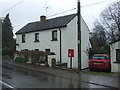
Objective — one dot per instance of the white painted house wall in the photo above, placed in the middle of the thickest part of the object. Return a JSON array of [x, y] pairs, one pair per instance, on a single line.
[[68, 39], [115, 67]]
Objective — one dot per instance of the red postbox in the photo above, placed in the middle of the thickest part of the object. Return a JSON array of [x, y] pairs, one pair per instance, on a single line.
[[70, 52]]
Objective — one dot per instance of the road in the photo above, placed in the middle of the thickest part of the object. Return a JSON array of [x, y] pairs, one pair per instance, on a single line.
[[20, 78]]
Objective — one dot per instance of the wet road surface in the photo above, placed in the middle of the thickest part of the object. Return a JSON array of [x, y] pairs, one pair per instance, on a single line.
[[20, 78]]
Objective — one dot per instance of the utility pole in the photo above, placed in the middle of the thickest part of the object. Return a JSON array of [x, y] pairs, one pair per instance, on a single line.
[[79, 35]]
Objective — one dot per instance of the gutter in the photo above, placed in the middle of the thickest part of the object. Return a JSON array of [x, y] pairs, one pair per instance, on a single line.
[[60, 47], [22, 32]]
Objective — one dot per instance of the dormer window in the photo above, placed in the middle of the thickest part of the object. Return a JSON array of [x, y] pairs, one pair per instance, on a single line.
[[36, 37]]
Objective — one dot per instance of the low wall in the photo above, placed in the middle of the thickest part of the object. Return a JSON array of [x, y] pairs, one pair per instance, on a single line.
[[50, 57], [115, 67], [32, 56]]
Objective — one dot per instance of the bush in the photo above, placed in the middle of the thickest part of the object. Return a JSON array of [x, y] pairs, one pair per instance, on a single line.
[[23, 60], [93, 51], [33, 62]]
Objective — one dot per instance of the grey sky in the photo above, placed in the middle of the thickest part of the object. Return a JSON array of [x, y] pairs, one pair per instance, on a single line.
[[30, 10]]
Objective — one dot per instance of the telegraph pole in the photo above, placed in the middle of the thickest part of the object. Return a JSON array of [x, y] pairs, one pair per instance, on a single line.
[[79, 35]]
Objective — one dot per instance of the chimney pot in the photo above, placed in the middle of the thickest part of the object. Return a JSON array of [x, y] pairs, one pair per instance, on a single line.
[[42, 18]]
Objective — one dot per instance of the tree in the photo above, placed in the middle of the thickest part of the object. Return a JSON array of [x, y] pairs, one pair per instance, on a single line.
[[107, 30], [98, 36], [98, 40], [8, 43], [110, 18]]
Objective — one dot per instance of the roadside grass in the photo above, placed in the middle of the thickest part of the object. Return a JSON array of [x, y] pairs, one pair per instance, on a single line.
[[116, 74], [94, 72], [99, 73]]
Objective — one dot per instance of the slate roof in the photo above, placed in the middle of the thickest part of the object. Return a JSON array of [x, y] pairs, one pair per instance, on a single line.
[[48, 24]]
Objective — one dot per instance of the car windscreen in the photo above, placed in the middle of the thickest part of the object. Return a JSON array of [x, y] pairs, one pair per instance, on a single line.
[[99, 57]]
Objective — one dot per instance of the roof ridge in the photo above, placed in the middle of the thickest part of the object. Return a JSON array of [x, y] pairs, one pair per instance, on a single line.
[[53, 18], [63, 16]]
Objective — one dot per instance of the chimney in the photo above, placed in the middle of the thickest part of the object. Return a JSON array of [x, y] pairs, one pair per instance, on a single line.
[[42, 18]]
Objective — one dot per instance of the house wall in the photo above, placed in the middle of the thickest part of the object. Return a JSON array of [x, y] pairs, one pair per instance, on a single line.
[[114, 66], [45, 38], [85, 44], [68, 40]]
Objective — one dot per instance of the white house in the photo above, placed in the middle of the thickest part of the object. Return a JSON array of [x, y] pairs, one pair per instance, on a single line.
[[56, 35], [115, 56]]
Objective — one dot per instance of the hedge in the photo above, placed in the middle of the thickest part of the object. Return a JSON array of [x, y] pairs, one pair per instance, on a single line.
[[19, 59]]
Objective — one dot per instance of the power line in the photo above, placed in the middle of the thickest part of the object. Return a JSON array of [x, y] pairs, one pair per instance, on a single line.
[[76, 8], [94, 4], [13, 7], [62, 12], [47, 7], [91, 11]]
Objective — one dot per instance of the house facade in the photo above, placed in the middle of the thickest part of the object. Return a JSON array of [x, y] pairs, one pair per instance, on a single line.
[[56, 35], [115, 56]]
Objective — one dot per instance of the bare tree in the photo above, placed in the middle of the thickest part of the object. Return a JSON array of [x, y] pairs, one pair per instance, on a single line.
[[110, 18], [98, 36]]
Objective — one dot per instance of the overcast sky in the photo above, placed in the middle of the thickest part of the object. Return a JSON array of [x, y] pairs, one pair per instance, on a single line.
[[25, 11]]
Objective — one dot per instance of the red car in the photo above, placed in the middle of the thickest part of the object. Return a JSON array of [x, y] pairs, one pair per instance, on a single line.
[[100, 61]]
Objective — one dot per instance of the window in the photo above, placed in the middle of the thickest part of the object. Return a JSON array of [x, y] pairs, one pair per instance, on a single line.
[[26, 49], [117, 55], [23, 38], [36, 49], [36, 37], [47, 50], [99, 57], [54, 35]]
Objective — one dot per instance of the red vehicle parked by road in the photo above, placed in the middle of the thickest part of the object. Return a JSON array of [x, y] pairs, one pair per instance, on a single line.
[[100, 61]]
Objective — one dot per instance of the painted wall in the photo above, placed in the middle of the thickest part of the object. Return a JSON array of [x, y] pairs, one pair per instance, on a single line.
[[45, 38], [114, 66], [68, 39], [85, 44]]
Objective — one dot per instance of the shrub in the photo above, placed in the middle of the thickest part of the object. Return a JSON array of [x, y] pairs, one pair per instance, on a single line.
[[19, 59], [33, 62], [93, 51]]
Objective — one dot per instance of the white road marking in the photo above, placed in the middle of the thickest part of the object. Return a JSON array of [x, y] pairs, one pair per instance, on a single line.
[[6, 84]]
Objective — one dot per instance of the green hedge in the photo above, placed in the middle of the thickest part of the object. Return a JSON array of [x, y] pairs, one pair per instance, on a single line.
[[33, 62], [23, 60], [93, 51]]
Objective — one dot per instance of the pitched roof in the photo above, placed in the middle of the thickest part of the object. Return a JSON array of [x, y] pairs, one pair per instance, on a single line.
[[115, 41], [48, 24]]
